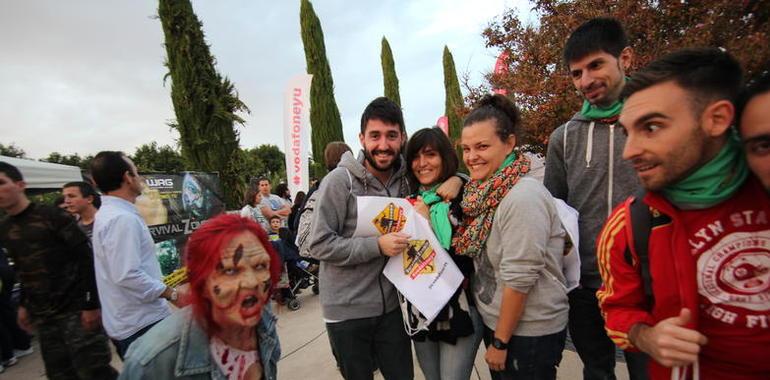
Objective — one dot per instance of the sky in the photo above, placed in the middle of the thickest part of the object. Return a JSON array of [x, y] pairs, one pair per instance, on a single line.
[[85, 76]]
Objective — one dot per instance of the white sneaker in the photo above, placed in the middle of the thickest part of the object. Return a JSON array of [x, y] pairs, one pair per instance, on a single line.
[[2, 369], [22, 353], [10, 362]]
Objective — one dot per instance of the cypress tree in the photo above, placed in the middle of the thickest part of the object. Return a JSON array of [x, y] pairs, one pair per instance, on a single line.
[[325, 118], [454, 101], [389, 77], [205, 103]]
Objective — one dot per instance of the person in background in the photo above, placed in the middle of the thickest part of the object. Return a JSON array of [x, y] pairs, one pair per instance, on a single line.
[[272, 204], [753, 109], [131, 288], [299, 200], [282, 190], [228, 331], [82, 200], [448, 348], [585, 168], [15, 343], [252, 208], [511, 229], [275, 228], [55, 265]]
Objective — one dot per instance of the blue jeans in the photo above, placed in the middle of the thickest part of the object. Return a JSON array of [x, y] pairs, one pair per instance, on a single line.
[[596, 350], [359, 342], [530, 357], [445, 361]]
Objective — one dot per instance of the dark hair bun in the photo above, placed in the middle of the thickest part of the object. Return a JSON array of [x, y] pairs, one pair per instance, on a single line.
[[499, 108], [502, 104]]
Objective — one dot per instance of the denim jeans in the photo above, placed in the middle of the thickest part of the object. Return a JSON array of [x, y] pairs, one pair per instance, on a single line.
[[596, 350], [445, 361], [359, 342], [530, 357]]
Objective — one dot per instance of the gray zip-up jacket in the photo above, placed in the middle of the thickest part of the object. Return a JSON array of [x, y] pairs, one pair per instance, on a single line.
[[353, 285], [585, 168]]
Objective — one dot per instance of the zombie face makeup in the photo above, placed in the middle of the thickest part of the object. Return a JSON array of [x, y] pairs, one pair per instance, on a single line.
[[238, 287]]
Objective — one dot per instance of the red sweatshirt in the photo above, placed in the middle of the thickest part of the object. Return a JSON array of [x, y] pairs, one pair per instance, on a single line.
[[715, 262]]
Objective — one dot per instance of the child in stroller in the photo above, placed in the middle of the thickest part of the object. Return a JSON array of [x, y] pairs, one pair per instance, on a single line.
[[300, 272]]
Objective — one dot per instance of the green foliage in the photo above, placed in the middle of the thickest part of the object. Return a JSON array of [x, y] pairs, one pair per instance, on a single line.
[[324, 115], [11, 150], [538, 79], [205, 103], [453, 105], [71, 159], [153, 158], [265, 160], [389, 73]]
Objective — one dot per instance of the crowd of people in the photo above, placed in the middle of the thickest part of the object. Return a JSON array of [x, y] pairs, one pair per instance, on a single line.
[[668, 167]]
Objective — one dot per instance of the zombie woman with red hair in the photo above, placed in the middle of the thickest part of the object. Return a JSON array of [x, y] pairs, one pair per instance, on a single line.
[[228, 331]]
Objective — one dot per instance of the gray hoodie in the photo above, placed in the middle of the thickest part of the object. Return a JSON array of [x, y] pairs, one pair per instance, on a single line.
[[353, 285], [585, 168]]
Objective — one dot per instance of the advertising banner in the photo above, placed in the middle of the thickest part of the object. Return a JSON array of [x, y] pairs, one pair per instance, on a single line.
[[296, 135], [173, 206]]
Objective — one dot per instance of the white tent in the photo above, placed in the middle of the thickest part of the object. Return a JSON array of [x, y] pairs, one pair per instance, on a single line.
[[44, 175]]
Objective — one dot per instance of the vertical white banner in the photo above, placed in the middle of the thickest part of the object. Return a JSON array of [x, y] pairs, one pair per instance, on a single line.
[[296, 136]]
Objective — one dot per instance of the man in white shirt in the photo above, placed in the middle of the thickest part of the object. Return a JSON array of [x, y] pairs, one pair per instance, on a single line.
[[128, 275]]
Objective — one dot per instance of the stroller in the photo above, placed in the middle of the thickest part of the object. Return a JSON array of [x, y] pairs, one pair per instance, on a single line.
[[298, 272]]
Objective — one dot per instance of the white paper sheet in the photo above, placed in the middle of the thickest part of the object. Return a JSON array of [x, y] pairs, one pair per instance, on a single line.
[[425, 273]]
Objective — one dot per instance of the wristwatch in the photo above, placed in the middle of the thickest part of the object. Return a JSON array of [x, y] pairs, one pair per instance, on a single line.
[[499, 344], [174, 295]]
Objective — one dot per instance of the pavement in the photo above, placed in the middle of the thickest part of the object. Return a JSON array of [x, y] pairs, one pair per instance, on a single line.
[[306, 354]]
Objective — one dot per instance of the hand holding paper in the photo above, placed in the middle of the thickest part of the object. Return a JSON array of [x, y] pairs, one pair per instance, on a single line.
[[393, 244]]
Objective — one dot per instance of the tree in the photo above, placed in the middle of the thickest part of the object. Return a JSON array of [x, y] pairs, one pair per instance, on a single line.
[[454, 107], [153, 158], [537, 76], [265, 160], [324, 115], [205, 103], [11, 150], [389, 78], [71, 159]]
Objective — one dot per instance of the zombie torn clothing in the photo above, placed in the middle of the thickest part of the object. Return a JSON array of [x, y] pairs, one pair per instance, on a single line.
[[178, 348], [70, 352], [53, 260]]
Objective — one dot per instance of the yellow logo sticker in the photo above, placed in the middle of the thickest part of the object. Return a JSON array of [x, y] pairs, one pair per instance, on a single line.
[[419, 259], [391, 219]]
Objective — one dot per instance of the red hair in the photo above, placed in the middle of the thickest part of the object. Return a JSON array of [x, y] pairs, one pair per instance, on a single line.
[[204, 252]]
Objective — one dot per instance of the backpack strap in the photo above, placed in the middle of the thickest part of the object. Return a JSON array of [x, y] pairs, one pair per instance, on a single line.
[[640, 219]]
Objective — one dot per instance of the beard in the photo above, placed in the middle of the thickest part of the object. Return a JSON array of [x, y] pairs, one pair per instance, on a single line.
[[395, 162]]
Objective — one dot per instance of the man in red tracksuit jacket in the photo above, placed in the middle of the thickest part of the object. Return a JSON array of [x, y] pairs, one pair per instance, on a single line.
[[708, 316]]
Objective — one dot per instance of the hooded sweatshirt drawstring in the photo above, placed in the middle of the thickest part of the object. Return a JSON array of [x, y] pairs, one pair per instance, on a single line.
[[612, 166], [590, 145]]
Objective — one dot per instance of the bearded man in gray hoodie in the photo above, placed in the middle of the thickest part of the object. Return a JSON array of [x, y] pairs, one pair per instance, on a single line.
[[360, 306], [584, 167]]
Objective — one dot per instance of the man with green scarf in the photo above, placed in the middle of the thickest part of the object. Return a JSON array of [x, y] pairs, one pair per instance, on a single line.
[[584, 168], [702, 305]]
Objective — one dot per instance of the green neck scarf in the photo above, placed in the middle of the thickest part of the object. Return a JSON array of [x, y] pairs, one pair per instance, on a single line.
[[439, 216], [508, 160], [714, 182], [596, 113]]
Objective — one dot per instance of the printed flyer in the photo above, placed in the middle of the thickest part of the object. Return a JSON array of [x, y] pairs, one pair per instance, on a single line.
[[424, 273]]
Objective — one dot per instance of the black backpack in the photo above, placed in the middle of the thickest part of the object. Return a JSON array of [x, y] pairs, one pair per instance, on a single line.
[[642, 221]]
